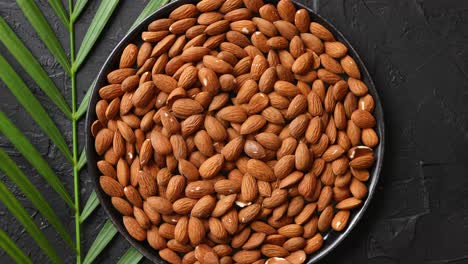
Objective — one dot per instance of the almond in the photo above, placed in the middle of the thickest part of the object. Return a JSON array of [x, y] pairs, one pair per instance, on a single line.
[[216, 228], [169, 256], [307, 185], [196, 230], [335, 49], [175, 188], [161, 205], [348, 204], [233, 149], [134, 229], [215, 129], [350, 67], [357, 87], [298, 126], [103, 141], [269, 12], [249, 213], [111, 187], [194, 54], [186, 107], [154, 36], [243, 26], [327, 76], [273, 115], [183, 11], [211, 166], [286, 10], [286, 89], [252, 124], [369, 137], [160, 24], [230, 222], [129, 56], [223, 205], [367, 103], [254, 241], [333, 152], [314, 244], [259, 66], [325, 219], [358, 189], [278, 196], [203, 207], [284, 166], [297, 257], [198, 189], [267, 80], [363, 119], [165, 44], [292, 230], [184, 205], [248, 188], [164, 83], [227, 187], [117, 77], [313, 43], [294, 244], [291, 179], [260, 170], [340, 220], [257, 103], [246, 256], [122, 206], [303, 63], [362, 162], [305, 214], [274, 251], [232, 113]]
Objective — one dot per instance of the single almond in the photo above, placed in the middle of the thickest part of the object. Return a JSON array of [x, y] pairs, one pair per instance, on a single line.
[[134, 229], [260, 170], [211, 166], [252, 124]]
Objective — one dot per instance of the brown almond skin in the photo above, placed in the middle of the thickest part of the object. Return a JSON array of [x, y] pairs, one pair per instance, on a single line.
[[111, 187], [314, 244], [133, 228], [340, 220]]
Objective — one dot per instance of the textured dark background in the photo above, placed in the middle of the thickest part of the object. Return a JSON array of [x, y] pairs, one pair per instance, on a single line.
[[417, 53]]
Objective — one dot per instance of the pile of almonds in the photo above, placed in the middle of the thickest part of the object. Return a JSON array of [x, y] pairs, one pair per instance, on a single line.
[[236, 132]]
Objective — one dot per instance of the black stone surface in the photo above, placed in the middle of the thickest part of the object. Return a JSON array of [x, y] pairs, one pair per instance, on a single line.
[[417, 53]]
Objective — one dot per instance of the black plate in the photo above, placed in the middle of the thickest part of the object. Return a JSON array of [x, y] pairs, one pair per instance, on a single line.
[[332, 238]]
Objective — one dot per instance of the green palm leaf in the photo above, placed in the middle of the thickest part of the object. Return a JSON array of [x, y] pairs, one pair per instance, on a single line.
[[32, 106], [9, 167], [33, 156], [32, 66], [89, 207], [45, 32], [152, 6], [97, 25], [106, 234], [132, 256], [82, 160], [84, 102], [14, 206], [79, 6], [61, 12], [12, 249]]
